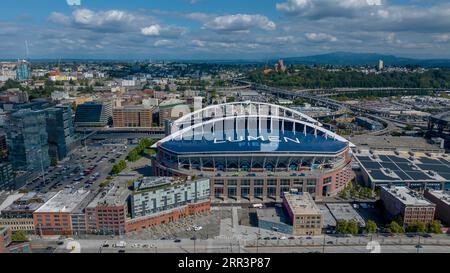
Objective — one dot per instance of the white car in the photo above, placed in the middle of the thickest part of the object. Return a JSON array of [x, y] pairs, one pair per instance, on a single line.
[[283, 238]]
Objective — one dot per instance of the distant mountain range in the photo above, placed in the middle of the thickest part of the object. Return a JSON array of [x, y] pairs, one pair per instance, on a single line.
[[335, 58], [346, 58]]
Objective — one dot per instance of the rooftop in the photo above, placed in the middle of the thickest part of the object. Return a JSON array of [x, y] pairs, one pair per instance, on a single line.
[[7, 199], [400, 167], [244, 142], [155, 183], [301, 203], [274, 215], [344, 211], [64, 201], [407, 196], [444, 196], [115, 194]]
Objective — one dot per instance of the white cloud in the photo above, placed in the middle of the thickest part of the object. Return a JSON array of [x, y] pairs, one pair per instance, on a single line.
[[240, 23], [320, 37], [326, 8], [153, 30]]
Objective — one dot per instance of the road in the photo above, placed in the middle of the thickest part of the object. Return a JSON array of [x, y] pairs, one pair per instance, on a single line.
[[328, 244]]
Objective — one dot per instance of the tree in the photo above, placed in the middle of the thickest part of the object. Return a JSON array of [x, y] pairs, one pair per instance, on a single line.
[[394, 227], [352, 227], [371, 227], [341, 227], [19, 236], [119, 167], [435, 227]]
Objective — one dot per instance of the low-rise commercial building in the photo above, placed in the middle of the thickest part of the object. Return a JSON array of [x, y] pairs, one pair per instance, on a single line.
[[305, 216], [107, 213], [442, 201], [412, 206], [54, 217]]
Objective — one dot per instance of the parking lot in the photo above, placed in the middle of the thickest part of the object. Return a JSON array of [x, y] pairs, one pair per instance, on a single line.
[[209, 223], [85, 168]]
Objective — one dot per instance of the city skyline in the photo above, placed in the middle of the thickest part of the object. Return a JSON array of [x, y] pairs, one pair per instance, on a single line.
[[204, 29]]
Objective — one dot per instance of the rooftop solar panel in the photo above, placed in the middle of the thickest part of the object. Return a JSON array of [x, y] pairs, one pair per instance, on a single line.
[[427, 160], [363, 158], [378, 175], [391, 166], [405, 167], [398, 159], [445, 175], [437, 168], [403, 175], [371, 165], [384, 158], [419, 176], [445, 161]]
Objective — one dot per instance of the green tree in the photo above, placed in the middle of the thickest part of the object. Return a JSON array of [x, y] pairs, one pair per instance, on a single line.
[[19, 236], [119, 167], [371, 227], [352, 227], [435, 227], [341, 227], [394, 227]]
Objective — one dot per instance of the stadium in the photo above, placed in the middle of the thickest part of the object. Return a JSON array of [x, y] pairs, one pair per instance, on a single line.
[[252, 152]]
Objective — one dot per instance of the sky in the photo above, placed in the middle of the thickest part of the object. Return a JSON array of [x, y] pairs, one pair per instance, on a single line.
[[222, 29]]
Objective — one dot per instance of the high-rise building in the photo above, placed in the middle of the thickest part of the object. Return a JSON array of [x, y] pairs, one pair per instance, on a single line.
[[23, 71], [133, 116], [27, 141], [6, 176], [60, 131], [93, 114]]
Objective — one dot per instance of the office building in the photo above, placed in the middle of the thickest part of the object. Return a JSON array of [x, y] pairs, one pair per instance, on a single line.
[[442, 201], [27, 141], [23, 71], [412, 206], [3, 147], [133, 117], [60, 131], [17, 211], [6, 176], [93, 114], [304, 215]]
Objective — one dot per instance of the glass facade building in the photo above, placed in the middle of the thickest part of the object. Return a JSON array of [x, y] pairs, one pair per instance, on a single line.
[[93, 114], [27, 141], [22, 71], [60, 131]]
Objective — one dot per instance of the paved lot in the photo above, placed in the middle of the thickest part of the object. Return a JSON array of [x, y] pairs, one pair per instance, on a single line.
[[73, 172]]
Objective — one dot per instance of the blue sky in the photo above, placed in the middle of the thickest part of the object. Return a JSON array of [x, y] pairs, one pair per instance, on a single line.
[[219, 29]]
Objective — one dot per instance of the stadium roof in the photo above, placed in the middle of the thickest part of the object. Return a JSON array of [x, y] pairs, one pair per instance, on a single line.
[[280, 142]]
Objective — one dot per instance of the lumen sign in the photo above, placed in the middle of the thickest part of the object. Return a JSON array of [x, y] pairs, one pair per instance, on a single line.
[[275, 139]]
